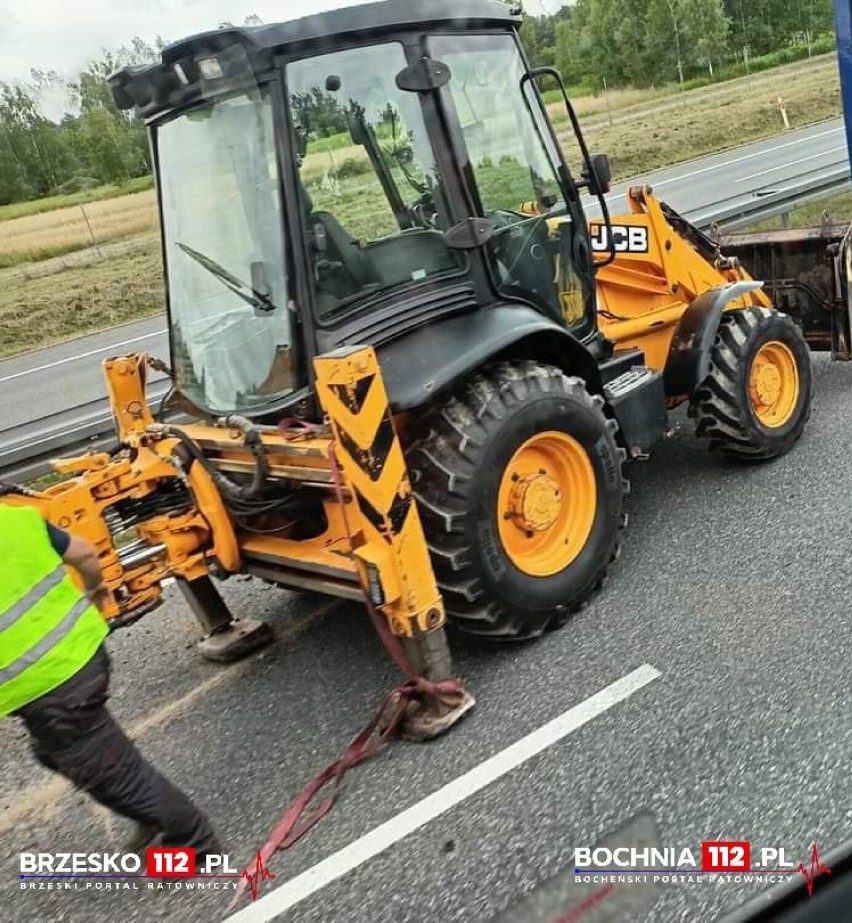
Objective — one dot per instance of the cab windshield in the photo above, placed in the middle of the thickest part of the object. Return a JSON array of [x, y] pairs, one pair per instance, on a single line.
[[224, 251], [374, 209]]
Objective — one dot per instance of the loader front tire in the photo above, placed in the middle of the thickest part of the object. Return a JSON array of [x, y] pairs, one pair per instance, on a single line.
[[756, 400], [519, 485]]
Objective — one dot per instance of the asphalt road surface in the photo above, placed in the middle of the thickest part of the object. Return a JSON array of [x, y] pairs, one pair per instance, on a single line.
[[47, 381], [723, 642], [698, 189]]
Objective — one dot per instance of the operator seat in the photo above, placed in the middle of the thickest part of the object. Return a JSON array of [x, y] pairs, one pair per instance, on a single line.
[[343, 269]]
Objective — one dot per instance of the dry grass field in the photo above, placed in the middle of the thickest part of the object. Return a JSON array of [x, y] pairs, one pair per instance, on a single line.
[[61, 298], [38, 237], [703, 122], [621, 105], [46, 297]]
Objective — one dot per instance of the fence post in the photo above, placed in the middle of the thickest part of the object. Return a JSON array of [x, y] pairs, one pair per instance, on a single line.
[[91, 232]]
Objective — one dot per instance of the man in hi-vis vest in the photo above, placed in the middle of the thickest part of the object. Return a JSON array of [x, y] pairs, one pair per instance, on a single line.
[[54, 674]]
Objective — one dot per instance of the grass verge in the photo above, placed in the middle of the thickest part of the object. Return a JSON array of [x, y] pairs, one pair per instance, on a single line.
[[839, 208], [36, 311]]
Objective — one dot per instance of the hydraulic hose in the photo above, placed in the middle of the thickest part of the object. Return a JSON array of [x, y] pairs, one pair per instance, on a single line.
[[252, 441]]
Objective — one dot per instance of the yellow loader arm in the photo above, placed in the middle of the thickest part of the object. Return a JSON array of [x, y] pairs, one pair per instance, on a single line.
[[324, 507], [662, 264]]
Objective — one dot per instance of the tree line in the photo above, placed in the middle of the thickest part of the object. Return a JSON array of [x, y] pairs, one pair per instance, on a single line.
[[608, 43], [91, 144], [595, 44]]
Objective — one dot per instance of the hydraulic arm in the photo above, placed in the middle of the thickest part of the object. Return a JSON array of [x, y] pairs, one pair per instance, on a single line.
[[326, 507], [662, 265]]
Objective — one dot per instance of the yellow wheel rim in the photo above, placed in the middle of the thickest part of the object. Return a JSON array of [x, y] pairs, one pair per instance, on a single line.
[[774, 384], [546, 503]]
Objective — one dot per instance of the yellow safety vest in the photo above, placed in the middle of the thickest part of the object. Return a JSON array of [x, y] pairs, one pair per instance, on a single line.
[[48, 629]]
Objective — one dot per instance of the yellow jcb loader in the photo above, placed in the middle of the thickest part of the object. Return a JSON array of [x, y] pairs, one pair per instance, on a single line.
[[406, 368]]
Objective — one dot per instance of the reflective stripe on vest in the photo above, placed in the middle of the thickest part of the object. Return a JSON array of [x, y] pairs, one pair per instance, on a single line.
[[48, 630], [42, 588], [51, 639]]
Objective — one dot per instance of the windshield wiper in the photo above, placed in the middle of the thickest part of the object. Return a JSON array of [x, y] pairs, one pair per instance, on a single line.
[[259, 300]]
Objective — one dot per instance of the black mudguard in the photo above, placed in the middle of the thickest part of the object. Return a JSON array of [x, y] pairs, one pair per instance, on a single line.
[[432, 358], [688, 363]]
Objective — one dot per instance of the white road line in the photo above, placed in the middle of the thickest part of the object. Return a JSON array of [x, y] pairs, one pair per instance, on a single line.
[[92, 352], [727, 163], [763, 153], [392, 831], [790, 163]]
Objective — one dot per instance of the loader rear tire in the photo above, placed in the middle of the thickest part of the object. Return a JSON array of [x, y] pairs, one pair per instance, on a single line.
[[519, 485], [756, 400]]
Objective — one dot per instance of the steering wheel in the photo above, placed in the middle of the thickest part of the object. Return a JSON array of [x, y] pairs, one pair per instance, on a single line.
[[515, 241], [424, 211]]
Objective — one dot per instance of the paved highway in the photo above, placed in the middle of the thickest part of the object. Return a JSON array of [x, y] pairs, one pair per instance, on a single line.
[[700, 188], [44, 382], [47, 381], [733, 586]]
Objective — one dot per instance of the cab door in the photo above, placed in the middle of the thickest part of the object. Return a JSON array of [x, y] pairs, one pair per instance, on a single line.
[[538, 247]]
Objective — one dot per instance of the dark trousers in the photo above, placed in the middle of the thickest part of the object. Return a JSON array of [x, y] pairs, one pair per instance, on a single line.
[[74, 734]]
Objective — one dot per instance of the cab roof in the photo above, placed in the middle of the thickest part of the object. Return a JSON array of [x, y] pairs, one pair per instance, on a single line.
[[155, 88], [388, 15]]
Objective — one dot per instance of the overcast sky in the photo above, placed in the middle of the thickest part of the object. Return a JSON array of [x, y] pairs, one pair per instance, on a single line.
[[64, 35]]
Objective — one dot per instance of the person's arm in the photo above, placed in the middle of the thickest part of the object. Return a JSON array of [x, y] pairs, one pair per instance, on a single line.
[[79, 554]]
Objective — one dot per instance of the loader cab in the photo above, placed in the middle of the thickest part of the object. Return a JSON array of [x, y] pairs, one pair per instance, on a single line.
[[356, 177]]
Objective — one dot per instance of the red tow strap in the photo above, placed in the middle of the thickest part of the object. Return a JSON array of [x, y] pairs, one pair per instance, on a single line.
[[381, 727]]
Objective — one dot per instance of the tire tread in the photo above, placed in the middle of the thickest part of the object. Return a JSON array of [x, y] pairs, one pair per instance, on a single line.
[[442, 461], [716, 405]]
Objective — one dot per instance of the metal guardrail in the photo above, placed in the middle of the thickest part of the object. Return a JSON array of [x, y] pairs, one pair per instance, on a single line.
[[744, 209], [26, 449]]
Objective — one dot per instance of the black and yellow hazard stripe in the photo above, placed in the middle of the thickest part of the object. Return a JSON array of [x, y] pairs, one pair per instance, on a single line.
[[373, 470]]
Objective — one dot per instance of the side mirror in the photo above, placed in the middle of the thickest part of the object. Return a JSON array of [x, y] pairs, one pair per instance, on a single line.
[[599, 179]]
